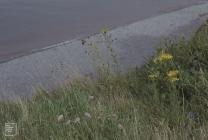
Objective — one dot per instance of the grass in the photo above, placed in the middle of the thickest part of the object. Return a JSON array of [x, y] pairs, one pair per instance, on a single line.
[[166, 99]]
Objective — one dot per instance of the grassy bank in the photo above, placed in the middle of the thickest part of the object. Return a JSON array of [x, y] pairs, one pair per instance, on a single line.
[[165, 99]]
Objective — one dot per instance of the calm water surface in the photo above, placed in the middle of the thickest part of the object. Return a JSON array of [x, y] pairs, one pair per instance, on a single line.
[[26, 25]]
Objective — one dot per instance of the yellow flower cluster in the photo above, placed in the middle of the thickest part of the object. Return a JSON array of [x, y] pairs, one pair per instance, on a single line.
[[163, 57], [173, 75]]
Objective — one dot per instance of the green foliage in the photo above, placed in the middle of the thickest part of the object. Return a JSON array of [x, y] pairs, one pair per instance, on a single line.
[[167, 98]]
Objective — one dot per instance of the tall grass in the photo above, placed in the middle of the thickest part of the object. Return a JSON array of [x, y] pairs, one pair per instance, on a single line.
[[165, 99]]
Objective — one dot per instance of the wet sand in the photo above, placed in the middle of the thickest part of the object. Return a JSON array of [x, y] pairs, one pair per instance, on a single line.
[[66, 61], [27, 25]]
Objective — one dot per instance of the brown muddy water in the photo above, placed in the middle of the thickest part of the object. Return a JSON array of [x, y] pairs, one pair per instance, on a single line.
[[27, 25]]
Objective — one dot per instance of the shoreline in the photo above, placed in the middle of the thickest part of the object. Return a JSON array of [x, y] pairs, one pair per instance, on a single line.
[[55, 64]]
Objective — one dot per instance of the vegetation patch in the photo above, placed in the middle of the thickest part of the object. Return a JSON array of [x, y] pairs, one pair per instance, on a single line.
[[165, 99]]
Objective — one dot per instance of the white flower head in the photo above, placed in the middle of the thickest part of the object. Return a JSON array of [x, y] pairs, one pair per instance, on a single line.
[[91, 97], [87, 115], [120, 126], [60, 118], [68, 122], [114, 115], [77, 120]]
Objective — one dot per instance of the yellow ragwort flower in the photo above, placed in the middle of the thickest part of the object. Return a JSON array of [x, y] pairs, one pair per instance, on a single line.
[[165, 56], [173, 73]]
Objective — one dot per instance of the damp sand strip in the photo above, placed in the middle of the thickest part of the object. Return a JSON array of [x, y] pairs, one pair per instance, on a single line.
[[59, 63]]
